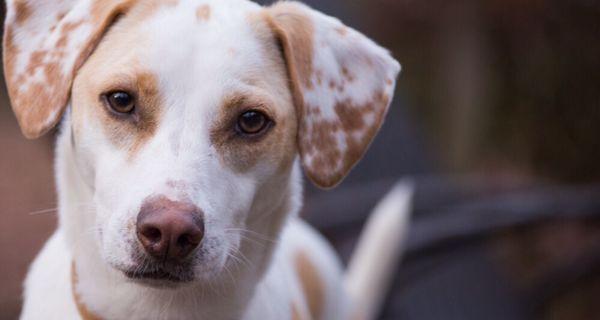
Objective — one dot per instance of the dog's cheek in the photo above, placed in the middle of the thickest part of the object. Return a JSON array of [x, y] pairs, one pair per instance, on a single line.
[[85, 162], [87, 140], [117, 239], [210, 258]]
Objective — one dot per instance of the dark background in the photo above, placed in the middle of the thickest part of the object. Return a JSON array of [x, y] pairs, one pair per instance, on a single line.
[[495, 119]]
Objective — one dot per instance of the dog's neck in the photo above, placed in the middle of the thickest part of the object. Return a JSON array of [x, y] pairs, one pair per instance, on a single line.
[[106, 292]]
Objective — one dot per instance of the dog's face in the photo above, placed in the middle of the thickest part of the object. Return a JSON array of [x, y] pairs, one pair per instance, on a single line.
[[187, 118], [206, 119]]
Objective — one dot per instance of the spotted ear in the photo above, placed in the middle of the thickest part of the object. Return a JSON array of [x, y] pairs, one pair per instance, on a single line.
[[342, 84], [45, 42]]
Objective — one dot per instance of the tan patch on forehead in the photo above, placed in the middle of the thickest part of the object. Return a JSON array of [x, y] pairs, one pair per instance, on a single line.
[[203, 13], [22, 11], [312, 285]]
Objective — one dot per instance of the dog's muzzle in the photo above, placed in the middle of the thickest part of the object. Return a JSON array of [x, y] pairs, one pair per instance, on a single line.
[[168, 232]]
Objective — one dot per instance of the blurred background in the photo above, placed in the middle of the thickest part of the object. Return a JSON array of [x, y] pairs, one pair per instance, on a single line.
[[496, 119]]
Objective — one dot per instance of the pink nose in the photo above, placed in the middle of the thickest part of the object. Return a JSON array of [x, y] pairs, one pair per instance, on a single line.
[[169, 230]]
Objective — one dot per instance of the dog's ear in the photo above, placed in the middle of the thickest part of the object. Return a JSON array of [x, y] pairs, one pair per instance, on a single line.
[[342, 84], [45, 42]]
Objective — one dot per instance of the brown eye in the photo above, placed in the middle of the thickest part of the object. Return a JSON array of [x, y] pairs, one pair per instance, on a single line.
[[252, 122], [120, 101]]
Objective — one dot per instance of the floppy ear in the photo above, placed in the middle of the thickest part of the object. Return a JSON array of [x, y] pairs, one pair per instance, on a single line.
[[342, 84], [45, 42]]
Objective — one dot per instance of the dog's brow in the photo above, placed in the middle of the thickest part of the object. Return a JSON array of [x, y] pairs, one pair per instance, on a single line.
[[120, 81]]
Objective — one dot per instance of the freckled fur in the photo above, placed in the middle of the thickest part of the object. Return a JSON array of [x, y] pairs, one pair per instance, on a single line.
[[22, 10]]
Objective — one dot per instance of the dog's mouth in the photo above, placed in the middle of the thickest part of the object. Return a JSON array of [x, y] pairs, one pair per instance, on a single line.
[[159, 275]]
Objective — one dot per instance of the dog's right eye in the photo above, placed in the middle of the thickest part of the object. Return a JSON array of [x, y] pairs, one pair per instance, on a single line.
[[120, 101]]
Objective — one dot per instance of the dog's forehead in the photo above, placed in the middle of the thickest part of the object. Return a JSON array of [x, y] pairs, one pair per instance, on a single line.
[[200, 39]]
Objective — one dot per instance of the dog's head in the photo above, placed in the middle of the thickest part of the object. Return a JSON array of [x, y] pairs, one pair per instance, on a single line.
[[187, 116]]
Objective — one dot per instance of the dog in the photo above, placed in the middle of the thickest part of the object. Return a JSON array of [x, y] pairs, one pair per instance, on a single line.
[[184, 131]]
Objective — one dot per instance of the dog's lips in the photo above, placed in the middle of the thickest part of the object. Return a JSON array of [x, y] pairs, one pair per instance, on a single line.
[[158, 274]]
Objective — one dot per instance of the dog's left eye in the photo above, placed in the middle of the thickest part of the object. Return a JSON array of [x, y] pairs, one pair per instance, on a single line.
[[252, 122], [120, 101]]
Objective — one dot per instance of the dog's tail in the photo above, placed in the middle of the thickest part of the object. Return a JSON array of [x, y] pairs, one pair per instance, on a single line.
[[373, 265]]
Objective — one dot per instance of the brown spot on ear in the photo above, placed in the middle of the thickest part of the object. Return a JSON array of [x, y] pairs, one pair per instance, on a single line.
[[332, 84], [35, 61], [61, 15], [320, 137], [203, 13], [319, 75], [312, 285], [347, 75], [22, 11]]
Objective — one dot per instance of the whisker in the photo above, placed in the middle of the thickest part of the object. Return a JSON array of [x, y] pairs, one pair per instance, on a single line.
[[257, 235], [252, 241], [55, 209], [229, 273], [242, 256], [51, 210]]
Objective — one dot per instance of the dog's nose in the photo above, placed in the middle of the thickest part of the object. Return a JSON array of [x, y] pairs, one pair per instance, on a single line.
[[169, 230]]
